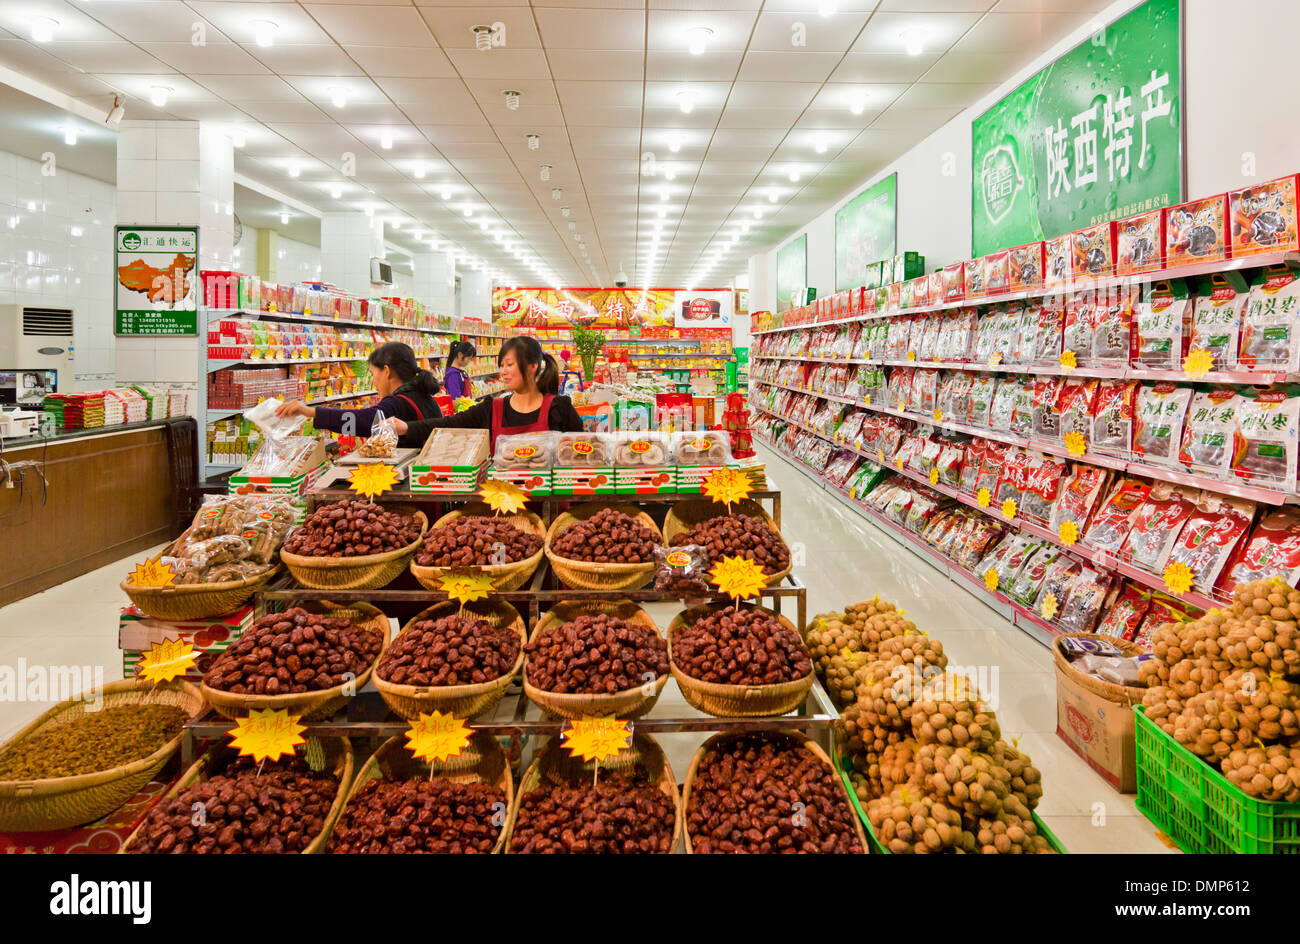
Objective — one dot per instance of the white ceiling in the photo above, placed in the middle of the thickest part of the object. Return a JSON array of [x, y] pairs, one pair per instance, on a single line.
[[599, 82]]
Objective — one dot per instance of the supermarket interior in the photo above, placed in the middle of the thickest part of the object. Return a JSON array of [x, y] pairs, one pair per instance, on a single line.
[[639, 426]]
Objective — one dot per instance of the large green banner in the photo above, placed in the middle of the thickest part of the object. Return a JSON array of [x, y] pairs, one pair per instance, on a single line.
[[791, 271], [865, 231], [1096, 136]]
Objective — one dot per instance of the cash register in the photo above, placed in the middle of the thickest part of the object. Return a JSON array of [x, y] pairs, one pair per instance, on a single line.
[[22, 393]]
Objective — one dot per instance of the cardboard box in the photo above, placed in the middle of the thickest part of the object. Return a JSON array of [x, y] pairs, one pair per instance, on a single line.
[[294, 485], [690, 478], [137, 633], [1098, 730], [1140, 243], [1264, 218], [1056, 252], [446, 479], [954, 282], [536, 482], [1197, 231], [595, 480], [1092, 253], [646, 481], [997, 272], [1025, 266], [907, 265]]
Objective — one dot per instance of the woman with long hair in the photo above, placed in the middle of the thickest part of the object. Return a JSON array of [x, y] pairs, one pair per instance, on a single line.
[[532, 404], [405, 389], [455, 378]]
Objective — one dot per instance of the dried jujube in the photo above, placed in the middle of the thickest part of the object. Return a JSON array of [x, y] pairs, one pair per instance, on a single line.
[[745, 647], [621, 814], [607, 537], [419, 815], [352, 528], [596, 654], [472, 541], [449, 651], [739, 536]]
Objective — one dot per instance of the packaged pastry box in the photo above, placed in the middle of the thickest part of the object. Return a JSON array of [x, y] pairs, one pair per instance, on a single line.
[[1092, 253], [644, 465], [296, 481], [973, 275], [1264, 218], [1140, 243], [1197, 231], [137, 633], [536, 482], [584, 465], [1025, 265], [451, 462]]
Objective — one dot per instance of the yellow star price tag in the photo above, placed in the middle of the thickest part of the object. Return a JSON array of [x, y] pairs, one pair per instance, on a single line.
[[738, 578], [1009, 508], [1178, 578], [1069, 533], [1048, 606], [503, 497], [911, 355], [880, 456], [372, 478], [1075, 444], [436, 736], [991, 579], [983, 498], [727, 486], [995, 358], [267, 734], [1068, 361], [934, 476], [938, 416], [902, 407], [465, 586], [167, 660], [1197, 363], [592, 738], [152, 573]]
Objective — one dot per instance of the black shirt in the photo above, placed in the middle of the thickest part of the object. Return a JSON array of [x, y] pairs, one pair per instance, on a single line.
[[562, 418], [396, 404]]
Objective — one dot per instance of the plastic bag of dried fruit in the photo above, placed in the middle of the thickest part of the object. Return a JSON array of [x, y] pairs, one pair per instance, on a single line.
[[382, 441]]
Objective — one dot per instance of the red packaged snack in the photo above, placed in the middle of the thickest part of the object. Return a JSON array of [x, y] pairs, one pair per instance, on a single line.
[[1025, 267], [1197, 231], [954, 282], [1094, 251], [997, 272], [970, 468], [1078, 329], [1140, 243], [1046, 392], [1110, 525], [983, 387], [1112, 417], [1112, 316], [1211, 536], [995, 454], [1045, 476], [1264, 441], [1014, 477], [1264, 217], [1158, 422], [1087, 594], [1208, 432], [1126, 613], [1056, 581], [1156, 524], [949, 464], [1078, 496], [1074, 407], [1048, 340], [1056, 252], [1273, 550], [1022, 408]]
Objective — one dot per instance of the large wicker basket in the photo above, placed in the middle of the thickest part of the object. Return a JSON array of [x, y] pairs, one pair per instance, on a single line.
[[586, 575], [64, 802], [338, 758], [193, 601], [554, 764], [504, 576], [311, 705], [1124, 695], [367, 572], [686, 514], [735, 701], [810, 745], [631, 703], [482, 761], [463, 701]]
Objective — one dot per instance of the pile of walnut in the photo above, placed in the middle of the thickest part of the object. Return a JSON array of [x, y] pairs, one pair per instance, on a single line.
[[928, 760], [1227, 687]]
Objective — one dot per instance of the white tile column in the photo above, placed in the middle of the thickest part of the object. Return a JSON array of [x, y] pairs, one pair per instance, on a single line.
[[435, 281], [348, 241]]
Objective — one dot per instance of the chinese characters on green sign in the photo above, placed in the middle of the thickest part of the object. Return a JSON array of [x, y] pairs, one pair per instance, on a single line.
[[865, 231], [156, 284], [791, 272]]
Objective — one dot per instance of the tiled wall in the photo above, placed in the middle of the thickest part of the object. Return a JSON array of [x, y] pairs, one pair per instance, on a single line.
[[56, 241], [297, 262]]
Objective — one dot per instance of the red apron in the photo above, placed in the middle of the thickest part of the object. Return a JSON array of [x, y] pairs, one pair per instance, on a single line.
[[540, 425]]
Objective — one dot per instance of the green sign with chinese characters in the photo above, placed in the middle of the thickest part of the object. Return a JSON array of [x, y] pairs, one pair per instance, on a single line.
[[791, 272], [1096, 136], [865, 231], [156, 280]]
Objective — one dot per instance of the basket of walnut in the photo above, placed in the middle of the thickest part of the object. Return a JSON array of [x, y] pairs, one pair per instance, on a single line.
[[599, 546], [506, 548]]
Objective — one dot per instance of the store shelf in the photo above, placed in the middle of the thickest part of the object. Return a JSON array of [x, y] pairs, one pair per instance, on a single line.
[[217, 412], [216, 314]]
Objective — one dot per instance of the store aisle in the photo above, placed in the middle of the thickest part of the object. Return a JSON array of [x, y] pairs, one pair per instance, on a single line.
[[847, 559]]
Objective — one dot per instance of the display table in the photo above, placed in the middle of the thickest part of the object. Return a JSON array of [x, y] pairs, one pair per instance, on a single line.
[[108, 492]]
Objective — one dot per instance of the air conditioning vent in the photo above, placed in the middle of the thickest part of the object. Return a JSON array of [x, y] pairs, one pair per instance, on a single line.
[[47, 322]]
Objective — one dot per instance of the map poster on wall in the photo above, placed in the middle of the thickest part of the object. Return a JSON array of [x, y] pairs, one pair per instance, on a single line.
[[1095, 136], [156, 289], [589, 307], [866, 230], [791, 272]]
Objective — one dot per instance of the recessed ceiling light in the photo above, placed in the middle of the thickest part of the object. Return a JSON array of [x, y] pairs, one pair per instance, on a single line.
[[512, 99], [544, 171], [446, 193], [669, 173], [338, 96], [284, 219], [335, 191], [43, 28], [76, 231], [819, 143], [386, 140], [70, 136], [794, 175], [534, 141], [663, 193], [158, 95], [697, 39], [857, 102], [674, 142], [468, 211], [264, 32], [662, 211], [913, 40], [686, 99], [418, 170], [557, 193], [294, 169], [773, 196], [758, 213]]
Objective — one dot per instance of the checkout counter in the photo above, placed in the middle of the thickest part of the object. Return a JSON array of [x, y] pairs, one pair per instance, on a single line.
[[75, 500]]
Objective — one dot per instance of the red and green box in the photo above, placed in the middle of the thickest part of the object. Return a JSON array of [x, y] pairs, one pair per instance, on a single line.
[[535, 482], [644, 480], [591, 480]]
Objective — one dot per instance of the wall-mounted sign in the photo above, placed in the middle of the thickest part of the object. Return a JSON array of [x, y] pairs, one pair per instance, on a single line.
[[791, 272], [156, 289], [866, 230]]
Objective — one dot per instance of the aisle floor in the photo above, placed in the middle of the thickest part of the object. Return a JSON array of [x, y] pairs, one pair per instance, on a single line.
[[845, 559]]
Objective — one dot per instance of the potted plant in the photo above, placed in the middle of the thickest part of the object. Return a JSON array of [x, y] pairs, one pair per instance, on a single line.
[[589, 343]]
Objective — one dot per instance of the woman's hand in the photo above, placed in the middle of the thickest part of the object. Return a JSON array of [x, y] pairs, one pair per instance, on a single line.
[[295, 408], [398, 426]]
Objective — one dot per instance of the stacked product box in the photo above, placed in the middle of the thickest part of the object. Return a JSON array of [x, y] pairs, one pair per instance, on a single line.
[[242, 387], [698, 455], [452, 462], [137, 633], [644, 465], [292, 468], [584, 464]]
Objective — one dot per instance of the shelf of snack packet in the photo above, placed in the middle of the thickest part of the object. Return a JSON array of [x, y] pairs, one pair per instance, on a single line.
[[464, 327]]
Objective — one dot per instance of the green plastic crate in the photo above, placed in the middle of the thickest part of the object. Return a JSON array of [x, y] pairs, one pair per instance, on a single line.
[[842, 769], [1196, 806]]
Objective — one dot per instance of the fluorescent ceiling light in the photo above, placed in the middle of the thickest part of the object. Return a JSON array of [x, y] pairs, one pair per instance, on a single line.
[[158, 95], [819, 144], [335, 191], [386, 140], [284, 219], [43, 28], [70, 136], [794, 175], [697, 39], [686, 99], [418, 170], [674, 142], [338, 96], [264, 32], [294, 169], [858, 102], [913, 40]]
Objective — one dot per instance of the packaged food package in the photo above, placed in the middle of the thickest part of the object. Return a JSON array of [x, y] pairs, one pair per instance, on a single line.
[[1088, 592], [1078, 496], [1046, 474], [983, 535], [957, 396], [1211, 535], [455, 447], [1057, 254], [1057, 578], [1217, 318], [1048, 339], [1074, 407], [928, 457], [922, 512], [1161, 322], [1126, 613], [1112, 317], [899, 504], [1016, 561], [1047, 389], [1264, 218], [1004, 401], [1006, 334], [1112, 417], [1140, 243], [273, 427], [1025, 586], [986, 329], [962, 347], [596, 417], [1155, 525], [1210, 430], [900, 387], [1022, 412], [972, 456], [990, 472], [1158, 418], [704, 447], [682, 571], [983, 388], [1093, 253], [925, 391], [1111, 522], [289, 456], [1026, 334], [589, 449], [1077, 334], [525, 451], [908, 455], [1025, 267], [1006, 557], [382, 441], [1272, 550], [1013, 478], [950, 464], [1197, 231], [1269, 329], [642, 449], [1264, 442]]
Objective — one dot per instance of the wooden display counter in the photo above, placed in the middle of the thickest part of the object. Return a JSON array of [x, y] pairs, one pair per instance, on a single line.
[[110, 494]]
